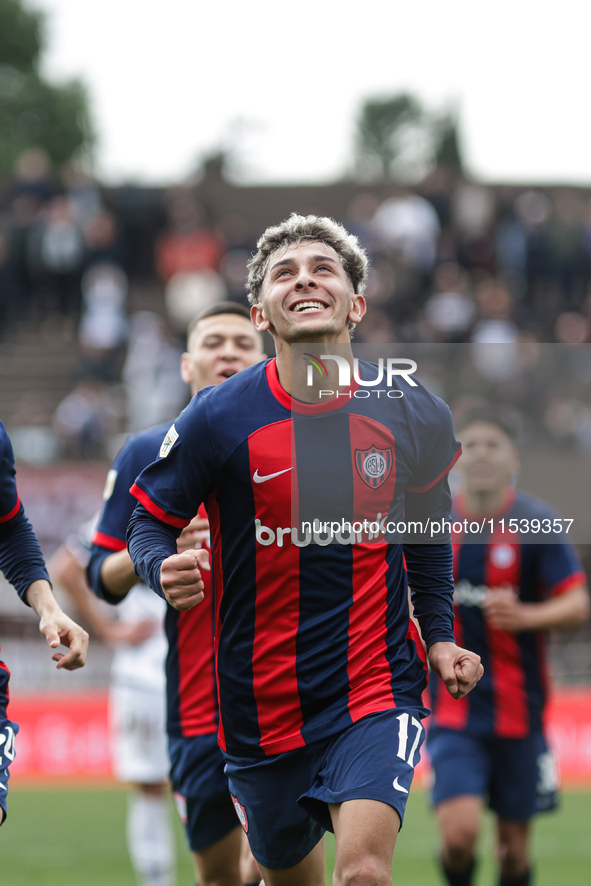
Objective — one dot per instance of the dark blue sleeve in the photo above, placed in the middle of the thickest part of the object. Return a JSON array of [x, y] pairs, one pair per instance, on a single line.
[[21, 559], [9, 500], [150, 541], [427, 514], [430, 576], [560, 569], [98, 556], [436, 449]]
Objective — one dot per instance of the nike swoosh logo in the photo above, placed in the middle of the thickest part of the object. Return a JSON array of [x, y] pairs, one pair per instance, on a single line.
[[398, 787], [263, 479]]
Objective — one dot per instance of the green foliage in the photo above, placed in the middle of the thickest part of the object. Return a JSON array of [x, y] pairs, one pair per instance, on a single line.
[[395, 134], [381, 123], [37, 114], [33, 112], [21, 35]]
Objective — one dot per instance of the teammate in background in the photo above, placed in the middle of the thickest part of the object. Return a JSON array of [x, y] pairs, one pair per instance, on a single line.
[[490, 747], [319, 673], [221, 342], [22, 563]]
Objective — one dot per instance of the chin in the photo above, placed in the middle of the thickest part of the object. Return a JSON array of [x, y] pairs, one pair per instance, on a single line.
[[310, 329]]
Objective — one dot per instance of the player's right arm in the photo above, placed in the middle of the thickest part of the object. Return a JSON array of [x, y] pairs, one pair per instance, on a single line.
[[170, 491]]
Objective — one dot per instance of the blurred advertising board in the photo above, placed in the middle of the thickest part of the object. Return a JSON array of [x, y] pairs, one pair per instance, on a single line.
[[67, 736]]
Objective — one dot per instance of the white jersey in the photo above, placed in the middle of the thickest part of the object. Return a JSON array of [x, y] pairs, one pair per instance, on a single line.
[[142, 666]]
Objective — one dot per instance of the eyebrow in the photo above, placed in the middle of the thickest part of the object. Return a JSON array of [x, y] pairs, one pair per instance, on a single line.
[[290, 261]]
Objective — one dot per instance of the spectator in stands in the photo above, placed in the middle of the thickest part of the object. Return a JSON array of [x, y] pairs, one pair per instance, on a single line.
[[58, 250], [188, 245], [103, 327], [85, 420], [408, 225], [102, 240], [450, 310], [154, 393], [8, 288]]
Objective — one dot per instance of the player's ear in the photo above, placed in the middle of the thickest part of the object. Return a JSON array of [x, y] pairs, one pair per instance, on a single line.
[[358, 308], [258, 317], [186, 374]]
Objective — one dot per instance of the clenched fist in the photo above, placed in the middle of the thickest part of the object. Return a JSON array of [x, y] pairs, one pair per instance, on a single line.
[[180, 577]]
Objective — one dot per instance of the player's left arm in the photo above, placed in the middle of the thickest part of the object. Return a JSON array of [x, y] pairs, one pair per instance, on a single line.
[[564, 598], [429, 569], [430, 564]]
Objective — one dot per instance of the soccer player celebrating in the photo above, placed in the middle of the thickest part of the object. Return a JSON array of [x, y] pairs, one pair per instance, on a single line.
[[221, 341], [490, 747], [22, 563], [319, 675]]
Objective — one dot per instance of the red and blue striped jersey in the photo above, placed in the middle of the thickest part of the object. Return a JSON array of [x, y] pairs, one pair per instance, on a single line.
[[509, 699], [190, 682], [311, 635], [21, 559]]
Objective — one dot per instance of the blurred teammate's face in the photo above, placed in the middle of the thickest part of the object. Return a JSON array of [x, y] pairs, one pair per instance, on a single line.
[[307, 295], [220, 347], [489, 458]]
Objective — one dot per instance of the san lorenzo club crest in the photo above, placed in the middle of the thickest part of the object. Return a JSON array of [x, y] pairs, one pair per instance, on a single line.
[[373, 465]]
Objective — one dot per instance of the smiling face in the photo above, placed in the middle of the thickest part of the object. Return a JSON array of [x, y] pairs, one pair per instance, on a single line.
[[489, 458], [218, 348], [307, 295]]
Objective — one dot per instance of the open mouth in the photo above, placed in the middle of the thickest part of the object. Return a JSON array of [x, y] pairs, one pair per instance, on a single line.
[[228, 373], [308, 307]]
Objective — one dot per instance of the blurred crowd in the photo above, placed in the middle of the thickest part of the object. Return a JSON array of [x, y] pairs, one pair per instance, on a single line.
[[452, 261]]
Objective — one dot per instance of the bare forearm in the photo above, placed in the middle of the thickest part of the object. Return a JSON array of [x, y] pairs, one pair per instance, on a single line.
[[560, 613], [506, 612], [41, 599], [67, 572], [117, 573]]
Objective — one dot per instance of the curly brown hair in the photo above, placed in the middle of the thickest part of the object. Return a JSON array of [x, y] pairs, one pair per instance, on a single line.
[[310, 227]]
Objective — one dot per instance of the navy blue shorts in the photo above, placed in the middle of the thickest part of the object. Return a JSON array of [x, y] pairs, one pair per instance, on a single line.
[[281, 800], [8, 730], [517, 776], [201, 789]]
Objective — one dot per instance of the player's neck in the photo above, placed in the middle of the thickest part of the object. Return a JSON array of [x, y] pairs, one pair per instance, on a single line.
[[293, 375], [482, 503]]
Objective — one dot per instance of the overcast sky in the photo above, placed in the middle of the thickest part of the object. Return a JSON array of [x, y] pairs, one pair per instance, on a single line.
[[172, 79]]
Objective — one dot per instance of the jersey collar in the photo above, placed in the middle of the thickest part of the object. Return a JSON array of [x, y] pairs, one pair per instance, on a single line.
[[300, 407]]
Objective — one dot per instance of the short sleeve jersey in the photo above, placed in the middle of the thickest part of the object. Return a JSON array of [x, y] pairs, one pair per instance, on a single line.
[[508, 701], [311, 635], [190, 684]]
